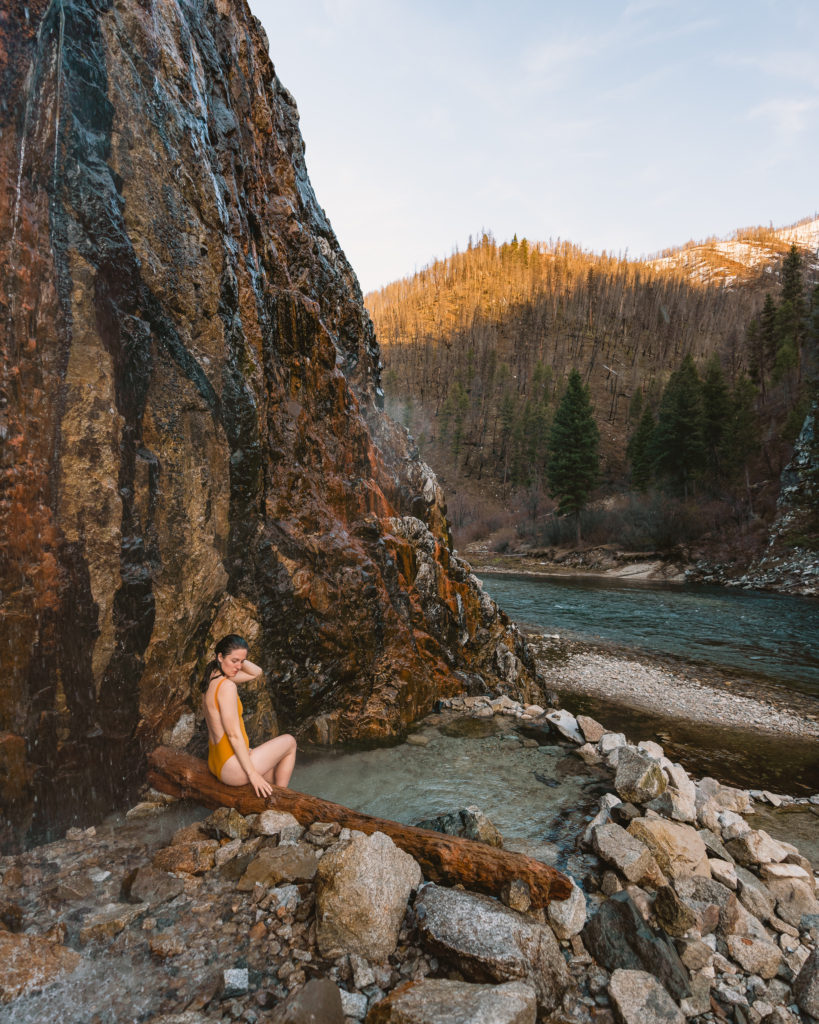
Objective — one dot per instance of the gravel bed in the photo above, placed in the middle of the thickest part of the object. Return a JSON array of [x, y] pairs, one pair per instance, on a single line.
[[677, 695]]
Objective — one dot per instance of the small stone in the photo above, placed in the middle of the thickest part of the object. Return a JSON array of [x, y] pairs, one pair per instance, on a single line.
[[588, 752], [319, 1002], [153, 887], [651, 748], [566, 724], [354, 1004], [235, 982], [676, 847], [756, 847], [418, 739], [165, 945], [517, 895], [280, 864]]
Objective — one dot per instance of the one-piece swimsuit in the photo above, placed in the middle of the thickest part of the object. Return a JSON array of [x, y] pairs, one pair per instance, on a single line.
[[219, 753]]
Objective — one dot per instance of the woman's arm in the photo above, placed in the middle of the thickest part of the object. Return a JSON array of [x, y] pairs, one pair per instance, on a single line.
[[247, 672], [229, 712]]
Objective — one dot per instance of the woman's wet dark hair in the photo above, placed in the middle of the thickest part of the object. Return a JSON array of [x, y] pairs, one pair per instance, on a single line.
[[231, 642]]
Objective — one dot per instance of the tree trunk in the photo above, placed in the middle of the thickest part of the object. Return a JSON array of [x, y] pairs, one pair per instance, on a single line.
[[448, 860]]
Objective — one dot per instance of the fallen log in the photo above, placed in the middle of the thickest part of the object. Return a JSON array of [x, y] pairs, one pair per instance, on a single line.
[[449, 860]]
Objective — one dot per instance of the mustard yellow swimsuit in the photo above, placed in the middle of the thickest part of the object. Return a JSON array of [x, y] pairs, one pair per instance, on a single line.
[[219, 753]]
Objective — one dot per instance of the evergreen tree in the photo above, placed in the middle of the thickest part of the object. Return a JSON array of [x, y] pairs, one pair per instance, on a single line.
[[678, 446], [741, 438], [635, 408], [767, 328], [573, 450], [639, 451], [716, 409], [756, 355]]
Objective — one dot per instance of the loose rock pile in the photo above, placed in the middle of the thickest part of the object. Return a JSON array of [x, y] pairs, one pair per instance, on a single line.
[[690, 915]]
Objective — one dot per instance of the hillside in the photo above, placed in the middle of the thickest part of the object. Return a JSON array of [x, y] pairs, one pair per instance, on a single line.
[[478, 348]]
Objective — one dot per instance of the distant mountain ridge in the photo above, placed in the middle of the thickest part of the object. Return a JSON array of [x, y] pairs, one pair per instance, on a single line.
[[739, 257]]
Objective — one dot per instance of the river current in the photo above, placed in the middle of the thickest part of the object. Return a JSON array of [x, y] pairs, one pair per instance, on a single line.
[[775, 636]]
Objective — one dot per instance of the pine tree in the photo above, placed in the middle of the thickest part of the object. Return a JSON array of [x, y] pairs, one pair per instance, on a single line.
[[716, 409], [678, 446], [573, 450], [767, 328], [741, 437], [639, 451]]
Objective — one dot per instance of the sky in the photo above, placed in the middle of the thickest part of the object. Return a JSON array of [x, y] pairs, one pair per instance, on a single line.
[[619, 125]]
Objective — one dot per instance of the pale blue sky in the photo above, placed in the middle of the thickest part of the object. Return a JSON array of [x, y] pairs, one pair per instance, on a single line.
[[616, 125]]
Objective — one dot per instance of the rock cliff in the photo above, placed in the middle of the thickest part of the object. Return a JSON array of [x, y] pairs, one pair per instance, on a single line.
[[192, 440]]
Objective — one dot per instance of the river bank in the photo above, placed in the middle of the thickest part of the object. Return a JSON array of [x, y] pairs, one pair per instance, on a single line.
[[793, 571]]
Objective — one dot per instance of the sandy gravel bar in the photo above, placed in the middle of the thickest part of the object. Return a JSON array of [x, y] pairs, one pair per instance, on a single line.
[[661, 690]]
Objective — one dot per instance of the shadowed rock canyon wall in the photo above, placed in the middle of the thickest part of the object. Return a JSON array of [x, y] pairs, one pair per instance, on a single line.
[[192, 440]]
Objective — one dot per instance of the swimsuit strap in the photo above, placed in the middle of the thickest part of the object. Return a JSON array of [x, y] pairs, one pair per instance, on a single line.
[[216, 691]]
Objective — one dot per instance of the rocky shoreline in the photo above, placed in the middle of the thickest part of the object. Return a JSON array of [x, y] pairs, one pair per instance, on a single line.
[[792, 571], [688, 914], [673, 687]]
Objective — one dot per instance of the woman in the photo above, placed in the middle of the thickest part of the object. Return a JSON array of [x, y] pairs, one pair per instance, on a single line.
[[230, 758]]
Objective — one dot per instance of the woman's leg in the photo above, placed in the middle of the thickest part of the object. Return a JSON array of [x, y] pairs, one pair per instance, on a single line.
[[274, 759]]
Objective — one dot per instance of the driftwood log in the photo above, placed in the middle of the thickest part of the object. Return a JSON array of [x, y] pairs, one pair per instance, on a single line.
[[448, 860]]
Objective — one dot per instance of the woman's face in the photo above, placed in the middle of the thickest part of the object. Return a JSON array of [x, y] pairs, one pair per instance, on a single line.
[[231, 662]]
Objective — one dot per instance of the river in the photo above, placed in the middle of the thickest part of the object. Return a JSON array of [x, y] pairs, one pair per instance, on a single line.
[[774, 636]]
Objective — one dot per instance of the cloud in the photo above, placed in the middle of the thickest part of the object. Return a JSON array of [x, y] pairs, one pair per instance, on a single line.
[[789, 117]]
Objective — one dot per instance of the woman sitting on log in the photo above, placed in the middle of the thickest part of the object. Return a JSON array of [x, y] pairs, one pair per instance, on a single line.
[[230, 758]]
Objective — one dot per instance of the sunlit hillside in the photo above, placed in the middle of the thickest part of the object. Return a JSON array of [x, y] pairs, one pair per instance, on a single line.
[[478, 347]]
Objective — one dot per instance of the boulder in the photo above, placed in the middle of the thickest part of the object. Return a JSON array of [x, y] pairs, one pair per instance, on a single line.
[[629, 855], [108, 921], [794, 897], [565, 724], [191, 858], [677, 848], [714, 845], [319, 1002], [589, 753], [227, 822], [651, 748], [639, 778], [755, 847], [30, 963], [713, 798], [362, 889], [153, 887], [675, 916], [756, 956], [486, 941], [672, 804], [724, 872], [732, 825], [754, 895], [708, 898], [439, 1001], [280, 824], [592, 730], [567, 917], [806, 986], [639, 998], [603, 816], [469, 822], [610, 741], [618, 937], [276, 864]]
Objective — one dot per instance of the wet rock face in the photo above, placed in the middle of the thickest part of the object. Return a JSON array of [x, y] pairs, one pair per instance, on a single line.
[[192, 441]]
